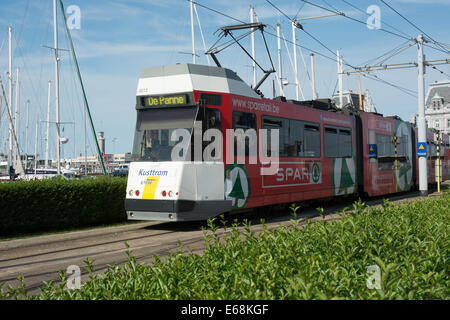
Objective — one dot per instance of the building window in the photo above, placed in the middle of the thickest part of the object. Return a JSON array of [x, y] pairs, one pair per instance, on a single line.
[[437, 103], [436, 124], [448, 123]]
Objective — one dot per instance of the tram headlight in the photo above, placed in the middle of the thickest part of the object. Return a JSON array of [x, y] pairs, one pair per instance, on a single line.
[[130, 193], [171, 194]]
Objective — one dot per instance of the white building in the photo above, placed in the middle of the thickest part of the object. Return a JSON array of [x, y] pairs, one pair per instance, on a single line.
[[437, 106]]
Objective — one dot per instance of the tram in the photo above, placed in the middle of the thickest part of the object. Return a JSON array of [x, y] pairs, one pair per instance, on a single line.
[[192, 121]]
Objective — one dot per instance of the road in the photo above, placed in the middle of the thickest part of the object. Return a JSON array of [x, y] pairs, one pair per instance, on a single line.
[[40, 258]]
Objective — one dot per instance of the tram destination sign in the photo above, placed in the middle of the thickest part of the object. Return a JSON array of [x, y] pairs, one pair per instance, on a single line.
[[165, 101]]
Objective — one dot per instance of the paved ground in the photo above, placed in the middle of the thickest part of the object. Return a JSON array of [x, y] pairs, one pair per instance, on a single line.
[[40, 258]]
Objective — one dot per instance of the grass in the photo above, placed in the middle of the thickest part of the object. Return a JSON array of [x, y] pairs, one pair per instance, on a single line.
[[407, 243]]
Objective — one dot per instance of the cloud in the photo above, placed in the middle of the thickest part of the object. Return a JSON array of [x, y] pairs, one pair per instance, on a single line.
[[93, 49]]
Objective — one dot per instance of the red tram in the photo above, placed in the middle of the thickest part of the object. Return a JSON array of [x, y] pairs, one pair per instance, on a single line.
[[322, 152]]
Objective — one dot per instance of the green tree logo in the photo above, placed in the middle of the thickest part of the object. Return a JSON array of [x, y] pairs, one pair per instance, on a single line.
[[315, 173], [237, 185]]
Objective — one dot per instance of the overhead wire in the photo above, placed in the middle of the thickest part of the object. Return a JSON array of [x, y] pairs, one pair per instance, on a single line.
[[372, 60], [354, 19], [373, 77], [439, 70], [365, 23], [414, 25], [384, 22]]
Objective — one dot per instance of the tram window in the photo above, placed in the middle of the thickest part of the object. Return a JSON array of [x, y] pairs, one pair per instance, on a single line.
[[345, 143], [402, 148], [296, 138], [210, 117], [338, 142], [385, 148], [154, 129], [282, 125], [211, 99], [243, 120], [331, 142], [311, 135], [296, 145]]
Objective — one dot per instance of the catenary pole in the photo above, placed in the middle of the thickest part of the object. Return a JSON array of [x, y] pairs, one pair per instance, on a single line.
[[339, 65], [313, 78], [421, 124], [252, 16], [280, 67]]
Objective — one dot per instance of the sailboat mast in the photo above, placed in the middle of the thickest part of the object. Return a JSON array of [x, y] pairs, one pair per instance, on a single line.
[[100, 156], [192, 31], [26, 133], [35, 146], [10, 153], [17, 112], [48, 123], [55, 33]]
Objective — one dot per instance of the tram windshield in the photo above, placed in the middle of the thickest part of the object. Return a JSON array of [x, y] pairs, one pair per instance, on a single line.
[[154, 127]]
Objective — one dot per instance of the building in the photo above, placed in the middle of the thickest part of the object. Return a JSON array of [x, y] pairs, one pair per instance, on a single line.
[[437, 106], [351, 99], [111, 161]]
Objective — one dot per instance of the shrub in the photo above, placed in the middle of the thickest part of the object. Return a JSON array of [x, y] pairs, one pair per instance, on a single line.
[[321, 260], [59, 204]]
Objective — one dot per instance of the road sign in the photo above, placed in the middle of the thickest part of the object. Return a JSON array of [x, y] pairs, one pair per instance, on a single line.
[[421, 149], [373, 151]]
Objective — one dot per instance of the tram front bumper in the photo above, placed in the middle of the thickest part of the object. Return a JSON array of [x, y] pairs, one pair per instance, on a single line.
[[175, 210]]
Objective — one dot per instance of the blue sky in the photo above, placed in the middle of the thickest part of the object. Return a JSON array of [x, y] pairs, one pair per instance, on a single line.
[[117, 38]]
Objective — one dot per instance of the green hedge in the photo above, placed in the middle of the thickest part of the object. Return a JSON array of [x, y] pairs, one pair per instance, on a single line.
[[59, 204], [409, 243]]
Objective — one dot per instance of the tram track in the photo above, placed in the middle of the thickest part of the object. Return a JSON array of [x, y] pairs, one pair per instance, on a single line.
[[40, 259]]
